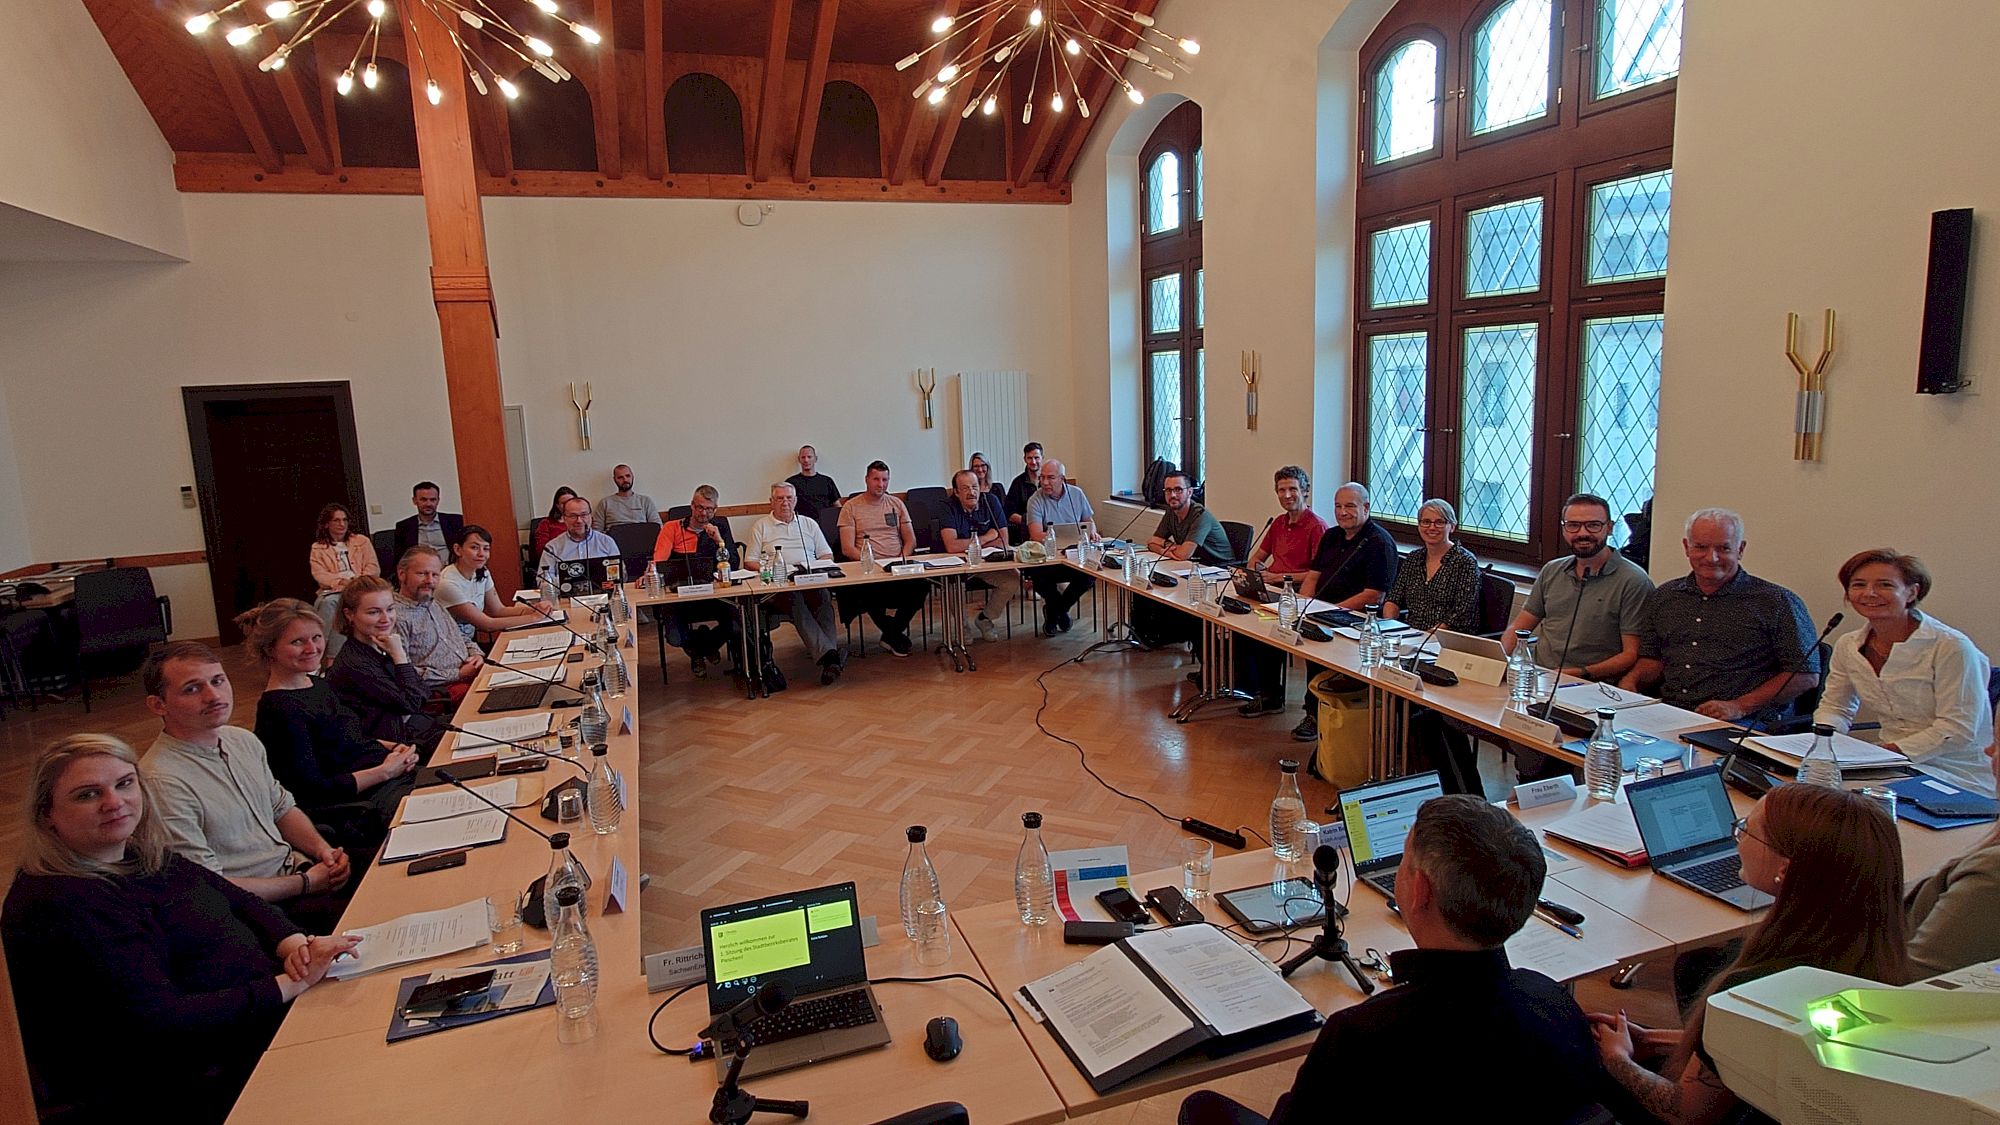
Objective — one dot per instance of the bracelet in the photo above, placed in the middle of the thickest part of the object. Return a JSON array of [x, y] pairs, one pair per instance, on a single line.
[[305, 883]]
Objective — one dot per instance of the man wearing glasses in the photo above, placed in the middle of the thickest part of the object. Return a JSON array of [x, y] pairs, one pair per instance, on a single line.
[[1588, 602]]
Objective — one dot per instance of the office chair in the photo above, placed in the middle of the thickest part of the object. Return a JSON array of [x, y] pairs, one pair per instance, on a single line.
[[117, 610], [1239, 541]]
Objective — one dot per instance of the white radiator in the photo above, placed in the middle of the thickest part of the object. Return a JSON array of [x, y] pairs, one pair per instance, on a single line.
[[992, 417]]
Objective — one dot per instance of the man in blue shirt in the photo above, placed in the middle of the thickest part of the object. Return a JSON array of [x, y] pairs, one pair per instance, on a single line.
[[973, 514], [577, 542], [1058, 501]]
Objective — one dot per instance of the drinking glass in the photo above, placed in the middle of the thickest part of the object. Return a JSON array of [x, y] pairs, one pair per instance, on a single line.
[[933, 933], [503, 918], [1648, 767], [1882, 796], [1197, 863]]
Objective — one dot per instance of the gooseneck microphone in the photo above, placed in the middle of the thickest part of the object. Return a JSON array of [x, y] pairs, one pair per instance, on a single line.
[[532, 749], [1143, 509], [1562, 660], [766, 1001], [1777, 705]]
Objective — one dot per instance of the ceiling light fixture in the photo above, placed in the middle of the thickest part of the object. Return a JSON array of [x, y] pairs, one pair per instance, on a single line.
[[1053, 30], [300, 20]]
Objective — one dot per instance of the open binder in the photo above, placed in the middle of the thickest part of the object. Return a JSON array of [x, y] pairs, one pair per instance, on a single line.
[[1155, 996]]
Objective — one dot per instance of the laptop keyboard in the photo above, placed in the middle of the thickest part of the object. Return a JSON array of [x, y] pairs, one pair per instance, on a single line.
[[513, 697], [804, 1017], [1721, 874], [1386, 880]]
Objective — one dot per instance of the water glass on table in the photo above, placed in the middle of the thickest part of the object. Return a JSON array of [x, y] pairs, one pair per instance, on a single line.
[[933, 933], [1883, 797], [503, 919], [1197, 863]]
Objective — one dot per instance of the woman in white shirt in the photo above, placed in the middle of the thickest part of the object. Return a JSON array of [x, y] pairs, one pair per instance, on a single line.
[[465, 589], [1924, 681]]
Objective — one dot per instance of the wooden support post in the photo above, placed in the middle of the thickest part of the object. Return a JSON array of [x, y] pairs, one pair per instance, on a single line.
[[949, 112], [290, 88], [814, 90], [229, 71], [772, 91], [655, 115], [604, 99], [460, 285]]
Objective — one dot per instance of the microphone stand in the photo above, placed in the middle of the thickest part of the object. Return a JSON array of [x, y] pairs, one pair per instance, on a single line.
[[733, 1104], [445, 776], [1329, 944]]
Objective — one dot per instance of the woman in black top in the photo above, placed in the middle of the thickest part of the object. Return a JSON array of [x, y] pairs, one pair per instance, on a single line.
[[113, 939], [317, 747], [1438, 582], [1834, 863], [375, 678], [983, 470]]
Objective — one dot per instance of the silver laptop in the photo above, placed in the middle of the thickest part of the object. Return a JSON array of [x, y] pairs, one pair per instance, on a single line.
[[1687, 824], [811, 942], [1068, 535], [1377, 817]]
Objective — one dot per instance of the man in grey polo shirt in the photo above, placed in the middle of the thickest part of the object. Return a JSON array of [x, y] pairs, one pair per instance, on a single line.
[[1585, 609], [1057, 501], [441, 652], [213, 790], [625, 505], [1720, 641]]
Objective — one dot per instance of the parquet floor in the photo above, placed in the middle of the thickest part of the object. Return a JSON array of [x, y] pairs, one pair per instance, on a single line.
[[816, 785]]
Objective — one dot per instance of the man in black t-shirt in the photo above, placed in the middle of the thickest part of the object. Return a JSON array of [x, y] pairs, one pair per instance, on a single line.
[[1022, 490], [816, 491]]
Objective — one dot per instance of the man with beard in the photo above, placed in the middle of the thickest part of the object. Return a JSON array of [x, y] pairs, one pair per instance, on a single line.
[[1588, 602], [445, 657]]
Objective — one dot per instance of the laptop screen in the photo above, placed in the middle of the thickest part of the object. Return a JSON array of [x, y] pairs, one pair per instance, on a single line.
[[811, 940], [1378, 816], [1681, 811]]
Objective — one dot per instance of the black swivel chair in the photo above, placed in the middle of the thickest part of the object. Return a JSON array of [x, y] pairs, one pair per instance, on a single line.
[[385, 549], [1239, 541], [1496, 603], [927, 512], [635, 542], [117, 610]]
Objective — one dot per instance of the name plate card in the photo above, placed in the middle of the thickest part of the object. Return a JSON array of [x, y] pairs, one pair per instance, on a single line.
[[815, 578], [1527, 726], [1399, 679], [907, 568], [695, 588], [614, 895], [1535, 794]]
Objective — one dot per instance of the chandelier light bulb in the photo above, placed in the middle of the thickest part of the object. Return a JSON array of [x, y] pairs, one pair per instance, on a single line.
[[1000, 56], [432, 91], [199, 25], [1081, 106], [344, 85], [587, 33], [1191, 47], [478, 83], [273, 61], [1035, 18], [278, 9], [240, 35], [936, 95], [923, 88], [370, 76], [1142, 19], [508, 88], [949, 72], [377, 9], [472, 19], [1056, 102], [538, 46], [1027, 111], [1073, 47], [941, 25], [1133, 93], [908, 61], [548, 6], [992, 104]]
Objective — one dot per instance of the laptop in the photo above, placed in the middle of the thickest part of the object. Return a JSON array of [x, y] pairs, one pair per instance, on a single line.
[[1377, 817], [1250, 587], [1067, 535], [1685, 820], [811, 941], [580, 577]]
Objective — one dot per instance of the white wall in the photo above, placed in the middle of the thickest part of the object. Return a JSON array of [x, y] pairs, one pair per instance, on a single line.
[[76, 144], [14, 549], [1813, 140], [714, 350]]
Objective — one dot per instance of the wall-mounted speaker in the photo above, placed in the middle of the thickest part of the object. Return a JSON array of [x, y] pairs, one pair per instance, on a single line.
[[1944, 302]]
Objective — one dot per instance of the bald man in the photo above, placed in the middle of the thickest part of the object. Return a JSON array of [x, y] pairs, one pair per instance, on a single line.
[[1057, 501], [625, 505]]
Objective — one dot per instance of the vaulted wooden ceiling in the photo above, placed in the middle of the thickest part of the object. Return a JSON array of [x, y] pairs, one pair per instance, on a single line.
[[624, 127]]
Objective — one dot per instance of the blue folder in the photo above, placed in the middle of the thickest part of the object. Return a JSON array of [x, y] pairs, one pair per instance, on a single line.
[[1910, 790]]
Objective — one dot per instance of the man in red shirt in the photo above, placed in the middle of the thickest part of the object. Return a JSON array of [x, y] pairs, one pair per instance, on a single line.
[[1285, 550]]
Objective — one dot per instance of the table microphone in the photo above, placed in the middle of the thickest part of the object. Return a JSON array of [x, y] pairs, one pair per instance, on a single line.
[[1771, 710], [533, 911], [554, 793], [1562, 660], [769, 1000]]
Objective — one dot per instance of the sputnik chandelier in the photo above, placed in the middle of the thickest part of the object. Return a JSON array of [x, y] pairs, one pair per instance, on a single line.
[[477, 19], [1055, 34]]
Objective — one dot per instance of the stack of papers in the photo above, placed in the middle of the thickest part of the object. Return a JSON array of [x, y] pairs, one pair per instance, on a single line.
[[1588, 699], [414, 839], [488, 733], [1606, 828], [1852, 752], [414, 937], [943, 562], [541, 646], [507, 677]]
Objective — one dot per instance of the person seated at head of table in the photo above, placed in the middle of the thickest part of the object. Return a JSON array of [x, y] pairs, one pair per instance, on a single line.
[[445, 658], [1022, 490], [1470, 878], [1721, 642], [1187, 532], [1834, 864], [798, 541], [316, 746], [625, 505], [816, 491], [465, 589], [1951, 913], [551, 525], [983, 470], [876, 520], [1585, 609], [1354, 566], [1284, 551], [109, 933], [373, 675], [975, 513], [1438, 582], [1057, 501], [577, 542], [690, 550], [212, 786], [339, 554], [1923, 680]]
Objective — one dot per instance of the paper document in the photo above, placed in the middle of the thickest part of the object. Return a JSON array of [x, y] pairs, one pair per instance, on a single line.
[[507, 677], [1554, 954], [415, 937], [943, 562], [541, 646], [1606, 826], [514, 728], [408, 841], [1228, 986], [1106, 1010], [1389, 628], [1663, 720], [1083, 872], [1587, 699], [444, 804], [1851, 751]]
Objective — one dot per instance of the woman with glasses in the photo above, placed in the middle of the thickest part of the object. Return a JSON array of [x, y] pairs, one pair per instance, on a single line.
[[1834, 866], [146, 985], [1438, 583], [339, 555], [1923, 680], [983, 470]]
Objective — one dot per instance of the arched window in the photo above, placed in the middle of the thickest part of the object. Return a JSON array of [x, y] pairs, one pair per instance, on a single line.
[[849, 139], [1511, 260], [704, 126], [550, 127], [1172, 308]]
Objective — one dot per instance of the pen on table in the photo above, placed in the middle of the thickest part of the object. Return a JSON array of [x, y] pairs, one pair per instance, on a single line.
[[1565, 927]]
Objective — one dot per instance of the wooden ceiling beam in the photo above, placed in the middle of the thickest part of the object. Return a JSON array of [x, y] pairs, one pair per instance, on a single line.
[[495, 142], [914, 124], [229, 71], [1079, 130], [815, 89], [318, 156], [604, 99], [953, 106], [656, 89], [772, 91]]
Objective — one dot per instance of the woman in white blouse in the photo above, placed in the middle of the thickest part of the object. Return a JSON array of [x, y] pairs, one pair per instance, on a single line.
[[1923, 680]]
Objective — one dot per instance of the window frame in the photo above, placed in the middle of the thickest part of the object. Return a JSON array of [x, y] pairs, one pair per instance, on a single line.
[[1588, 102], [1589, 177], [1172, 251], [1552, 113], [1439, 95], [1542, 187], [1365, 251]]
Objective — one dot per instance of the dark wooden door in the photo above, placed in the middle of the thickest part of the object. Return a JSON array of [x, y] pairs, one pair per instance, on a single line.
[[267, 457]]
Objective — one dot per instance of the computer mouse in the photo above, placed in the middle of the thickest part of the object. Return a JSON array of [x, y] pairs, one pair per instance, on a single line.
[[1165, 581], [941, 1041], [1231, 605]]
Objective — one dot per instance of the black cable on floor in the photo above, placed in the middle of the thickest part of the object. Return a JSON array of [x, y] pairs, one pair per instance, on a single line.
[[1081, 757]]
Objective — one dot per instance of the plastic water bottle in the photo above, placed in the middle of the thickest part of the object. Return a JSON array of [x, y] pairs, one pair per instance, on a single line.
[[1603, 765], [593, 725], [920, 881], [573, 967], [1523, 674], [1371, 636], [564, 871], [766, 572], [1288, 815], [1049, 541], [601, 793], [868, 548], [1288, 605], [1821, 766], [1034, 878], [972, 555]]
